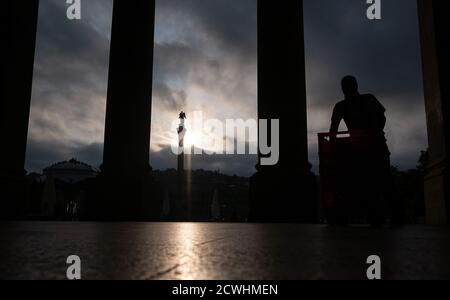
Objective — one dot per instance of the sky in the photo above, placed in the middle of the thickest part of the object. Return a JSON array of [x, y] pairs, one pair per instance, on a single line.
[[205, 60]]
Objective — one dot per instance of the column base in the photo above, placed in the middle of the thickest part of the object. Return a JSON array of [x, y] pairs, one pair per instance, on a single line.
[[277, 196], [435, 187], [14, 195]]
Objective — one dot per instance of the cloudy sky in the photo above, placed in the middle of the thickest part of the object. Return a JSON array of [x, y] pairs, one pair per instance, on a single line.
[[205, 60]]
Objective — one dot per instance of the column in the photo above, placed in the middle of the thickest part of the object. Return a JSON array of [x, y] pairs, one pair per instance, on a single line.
[[126, 168], [282, 194], [435, 41], [18, 25]]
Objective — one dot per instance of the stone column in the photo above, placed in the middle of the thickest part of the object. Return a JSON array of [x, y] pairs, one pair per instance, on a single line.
[[18, 25], [435, 40], [126, 170], [282, 194]]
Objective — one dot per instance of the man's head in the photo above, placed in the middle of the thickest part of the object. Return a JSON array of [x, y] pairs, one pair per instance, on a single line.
[[350, 86]]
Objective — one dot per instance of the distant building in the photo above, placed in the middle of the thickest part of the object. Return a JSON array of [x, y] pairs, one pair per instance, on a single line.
[[61, 192], [68, 190], [71, 171]]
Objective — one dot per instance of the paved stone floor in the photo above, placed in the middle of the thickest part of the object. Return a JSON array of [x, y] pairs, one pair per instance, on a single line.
[[220, 251]]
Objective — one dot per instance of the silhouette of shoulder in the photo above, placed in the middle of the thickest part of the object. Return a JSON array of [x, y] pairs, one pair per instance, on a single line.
[[346, 110], [372, 103]]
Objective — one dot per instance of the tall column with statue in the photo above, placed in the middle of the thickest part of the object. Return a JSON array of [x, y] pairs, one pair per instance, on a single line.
[[181, 131]]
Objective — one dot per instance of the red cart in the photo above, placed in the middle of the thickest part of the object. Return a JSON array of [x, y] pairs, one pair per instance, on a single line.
[[346, 174]]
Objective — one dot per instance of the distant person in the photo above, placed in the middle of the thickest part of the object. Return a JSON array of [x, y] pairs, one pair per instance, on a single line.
[[365, 114]]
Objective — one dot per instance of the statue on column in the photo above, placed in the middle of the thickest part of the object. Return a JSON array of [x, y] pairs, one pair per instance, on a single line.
[[181, 127], [181, 134]]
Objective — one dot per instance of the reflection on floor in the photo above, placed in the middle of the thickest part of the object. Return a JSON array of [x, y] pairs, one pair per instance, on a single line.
[[220, 251]]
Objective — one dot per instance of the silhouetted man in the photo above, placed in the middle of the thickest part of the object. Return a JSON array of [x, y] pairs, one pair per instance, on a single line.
[[364, 113], [359, 112]]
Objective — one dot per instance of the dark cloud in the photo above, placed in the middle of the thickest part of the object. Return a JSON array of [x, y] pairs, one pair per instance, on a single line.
[[385, 54], [171, 99], [229, 25], [48, 152]]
